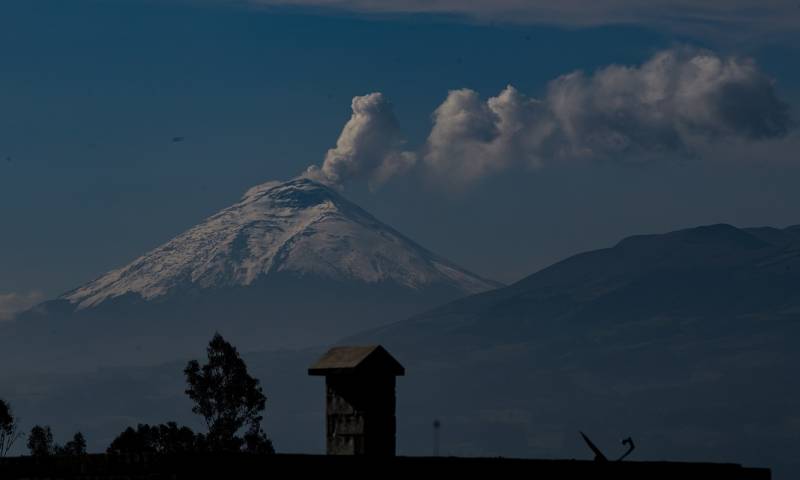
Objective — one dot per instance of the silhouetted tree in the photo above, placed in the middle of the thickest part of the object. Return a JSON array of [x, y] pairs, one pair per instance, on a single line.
[[172, 439], [163, 439], [226, 396], [140, 440], [40, 441], [8, 428], [76, 446], [256, 441]]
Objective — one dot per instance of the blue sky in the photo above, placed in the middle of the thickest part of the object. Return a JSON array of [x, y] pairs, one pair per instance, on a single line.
[[92, 94]]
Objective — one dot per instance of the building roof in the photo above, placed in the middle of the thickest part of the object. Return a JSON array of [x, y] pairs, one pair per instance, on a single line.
[[357, 359]]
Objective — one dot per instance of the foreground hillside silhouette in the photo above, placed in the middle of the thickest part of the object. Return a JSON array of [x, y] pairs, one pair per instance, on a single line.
[[684, 341], [360, 432]]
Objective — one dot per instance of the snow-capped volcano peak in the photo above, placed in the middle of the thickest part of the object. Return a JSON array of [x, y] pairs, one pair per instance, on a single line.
[[299, 227]]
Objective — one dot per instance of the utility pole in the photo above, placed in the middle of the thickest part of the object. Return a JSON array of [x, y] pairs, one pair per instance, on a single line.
[[436, 426]]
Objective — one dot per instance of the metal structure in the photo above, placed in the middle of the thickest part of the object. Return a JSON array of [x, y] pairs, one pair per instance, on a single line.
[[599, 456]]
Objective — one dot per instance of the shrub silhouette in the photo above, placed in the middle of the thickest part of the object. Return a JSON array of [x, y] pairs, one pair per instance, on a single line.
[[76, 446], [40, 443], [162, 439]]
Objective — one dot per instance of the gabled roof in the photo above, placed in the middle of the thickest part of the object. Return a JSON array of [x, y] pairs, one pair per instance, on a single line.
[[357, 359]]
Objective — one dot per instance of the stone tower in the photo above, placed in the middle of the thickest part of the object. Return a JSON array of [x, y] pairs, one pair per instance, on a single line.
[[360, 399]]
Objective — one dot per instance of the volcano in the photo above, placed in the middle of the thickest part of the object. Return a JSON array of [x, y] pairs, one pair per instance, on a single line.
[[292, 264]]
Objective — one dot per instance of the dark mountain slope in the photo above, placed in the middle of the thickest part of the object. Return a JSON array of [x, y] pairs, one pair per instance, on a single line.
[[685, 341]]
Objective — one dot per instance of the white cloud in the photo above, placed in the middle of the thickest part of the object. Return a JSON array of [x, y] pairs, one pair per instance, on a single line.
[[729, 18], [676, 102], [370, 146], [13, 303]]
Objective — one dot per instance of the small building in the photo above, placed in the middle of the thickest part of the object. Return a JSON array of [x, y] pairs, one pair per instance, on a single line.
[[360, 400]]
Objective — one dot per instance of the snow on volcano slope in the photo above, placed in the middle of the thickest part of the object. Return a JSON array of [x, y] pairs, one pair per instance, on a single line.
[[299, 227]]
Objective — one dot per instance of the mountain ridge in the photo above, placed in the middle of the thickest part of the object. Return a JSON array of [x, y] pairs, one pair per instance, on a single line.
[[291, 265], [298, 226], [739, 258]]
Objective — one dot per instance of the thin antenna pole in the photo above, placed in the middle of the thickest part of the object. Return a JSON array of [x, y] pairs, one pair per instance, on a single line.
[[436, 426]]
